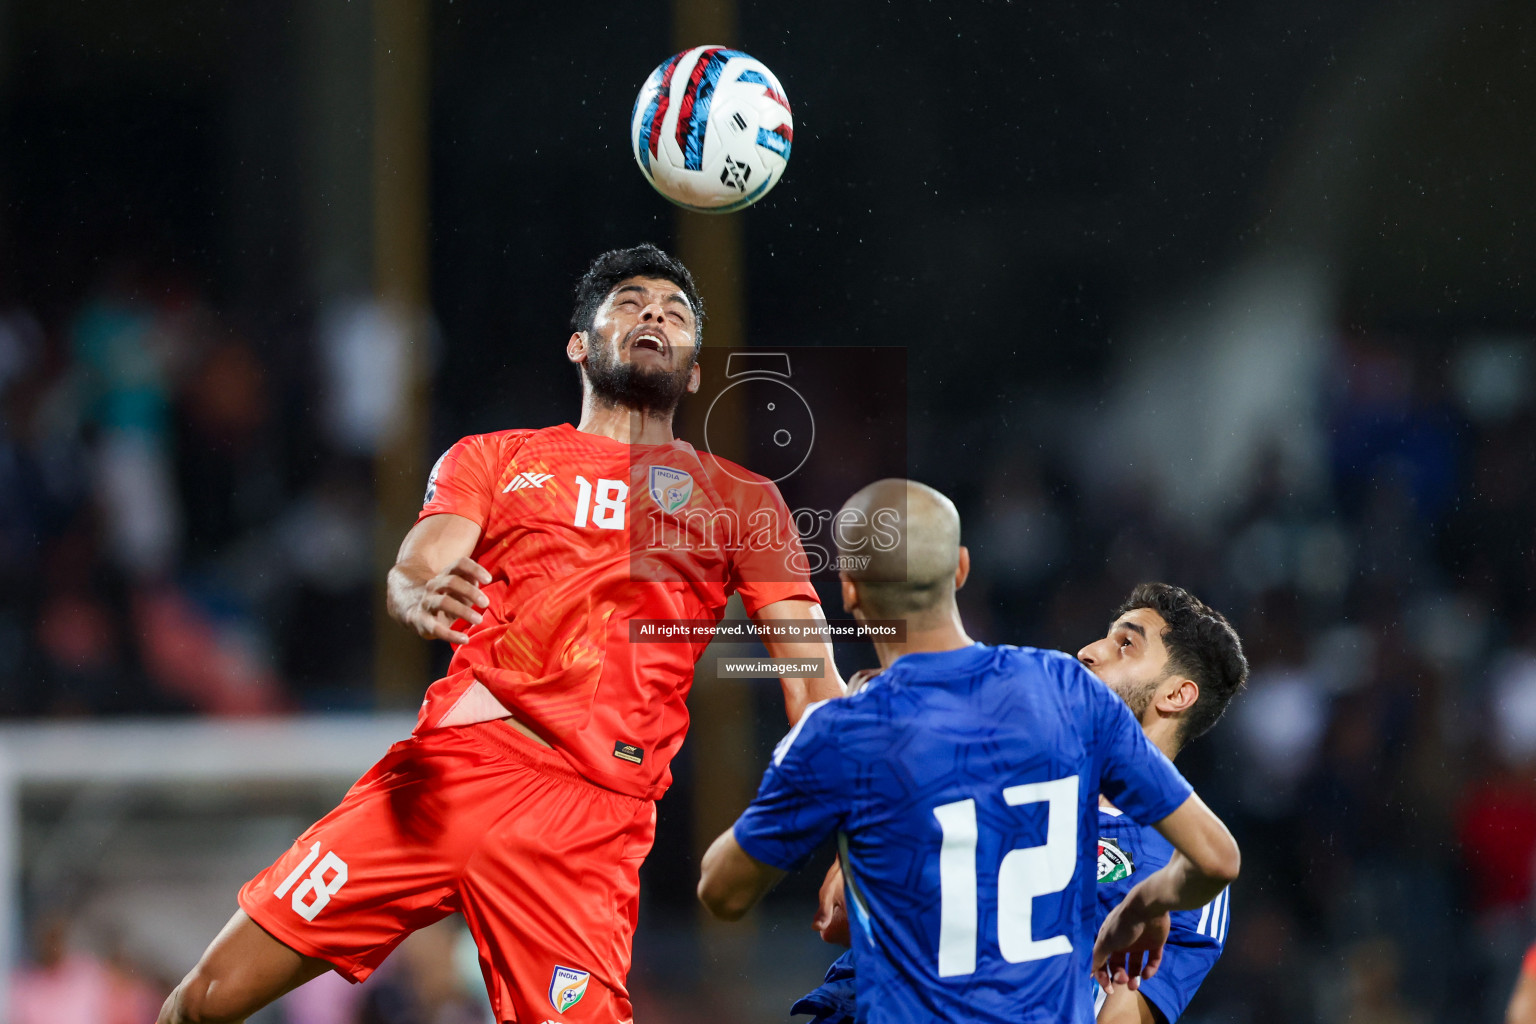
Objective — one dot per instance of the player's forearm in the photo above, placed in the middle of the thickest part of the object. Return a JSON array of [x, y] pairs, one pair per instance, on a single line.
[[404, 588], [1203, 843], [1125, 1006], [801, 693], [730, 880], [825, 687], [434, 582], [801, 690], [1179, 885]]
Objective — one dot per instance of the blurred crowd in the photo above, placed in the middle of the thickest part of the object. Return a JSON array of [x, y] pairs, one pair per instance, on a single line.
[[186, 526], [180, 527]]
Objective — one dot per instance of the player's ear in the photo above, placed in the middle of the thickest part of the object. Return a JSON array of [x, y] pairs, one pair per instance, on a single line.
[[963, 567], [1178, 695], [576, 347], [693, 378], [850, 593]]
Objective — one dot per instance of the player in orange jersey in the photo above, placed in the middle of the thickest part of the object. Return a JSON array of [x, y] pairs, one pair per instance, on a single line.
[[525, 797]]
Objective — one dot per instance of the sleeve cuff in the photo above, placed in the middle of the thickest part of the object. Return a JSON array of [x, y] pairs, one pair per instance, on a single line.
[[429, 511], [758, 852], [1154, 813], [757, 596]]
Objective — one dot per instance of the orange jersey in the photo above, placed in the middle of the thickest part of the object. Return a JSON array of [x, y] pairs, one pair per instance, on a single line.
[[580, 534]]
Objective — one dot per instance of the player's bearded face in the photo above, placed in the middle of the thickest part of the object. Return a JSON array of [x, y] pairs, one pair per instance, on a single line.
[[1137, 693], [1130, 659], [617, 381]]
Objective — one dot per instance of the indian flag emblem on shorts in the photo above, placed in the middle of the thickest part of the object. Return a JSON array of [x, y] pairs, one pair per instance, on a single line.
[[567, 987], [1114, 863], [671, 488]]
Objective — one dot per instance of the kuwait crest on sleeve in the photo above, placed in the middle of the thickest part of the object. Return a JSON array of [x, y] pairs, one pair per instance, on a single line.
[[671, 488], [1114, 863], [567, 987]]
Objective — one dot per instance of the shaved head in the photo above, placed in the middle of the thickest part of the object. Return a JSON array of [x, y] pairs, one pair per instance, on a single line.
[[910, 534]]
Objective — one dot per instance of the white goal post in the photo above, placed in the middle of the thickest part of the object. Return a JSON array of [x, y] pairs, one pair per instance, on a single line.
[[88, 767]]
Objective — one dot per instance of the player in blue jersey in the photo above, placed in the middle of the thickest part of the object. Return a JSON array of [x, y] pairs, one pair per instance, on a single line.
[[1177, 664], [963, 787]]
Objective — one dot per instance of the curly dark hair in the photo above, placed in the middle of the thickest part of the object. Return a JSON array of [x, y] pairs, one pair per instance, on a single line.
[[1202, 645], [643, 260]]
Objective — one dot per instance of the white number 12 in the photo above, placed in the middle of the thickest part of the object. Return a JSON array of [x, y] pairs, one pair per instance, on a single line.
[[1023, 875]]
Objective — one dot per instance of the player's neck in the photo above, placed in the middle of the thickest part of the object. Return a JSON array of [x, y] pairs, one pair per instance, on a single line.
[[946, 633], [623, 424], [1163, 732]]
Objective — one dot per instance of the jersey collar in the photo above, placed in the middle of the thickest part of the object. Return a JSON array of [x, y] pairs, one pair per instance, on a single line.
[[923, 665], [604, 441]]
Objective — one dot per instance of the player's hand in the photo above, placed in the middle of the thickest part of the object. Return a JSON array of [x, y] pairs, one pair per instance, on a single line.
[[858, 679], [449, 596], [1129, 949], [831, 915]]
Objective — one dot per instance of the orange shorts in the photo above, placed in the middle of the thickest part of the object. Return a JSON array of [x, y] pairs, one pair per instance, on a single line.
[[544, 865]]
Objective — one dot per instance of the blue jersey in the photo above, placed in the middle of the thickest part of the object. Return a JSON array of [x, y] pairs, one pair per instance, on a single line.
[[1129, 852], [963, 787]]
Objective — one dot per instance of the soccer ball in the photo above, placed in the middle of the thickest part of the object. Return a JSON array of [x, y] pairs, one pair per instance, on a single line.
[[711, 129]]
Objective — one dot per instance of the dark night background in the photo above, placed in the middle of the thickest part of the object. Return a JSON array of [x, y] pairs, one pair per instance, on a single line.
[[1233, 295]]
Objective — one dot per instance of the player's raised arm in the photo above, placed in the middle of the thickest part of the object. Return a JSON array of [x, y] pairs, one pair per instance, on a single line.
[[1206, 860], [434, 582], [807, 689], [1206, 847]]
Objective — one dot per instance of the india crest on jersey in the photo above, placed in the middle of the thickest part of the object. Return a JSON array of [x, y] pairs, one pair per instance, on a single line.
[[567, 987], [671, 488], [1114, 863]]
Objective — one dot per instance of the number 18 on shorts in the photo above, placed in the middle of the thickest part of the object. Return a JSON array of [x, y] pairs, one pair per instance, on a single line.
[[316, 890]]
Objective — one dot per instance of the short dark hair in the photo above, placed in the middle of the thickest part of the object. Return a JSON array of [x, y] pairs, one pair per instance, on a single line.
[[1202, 645], [616, 265]]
